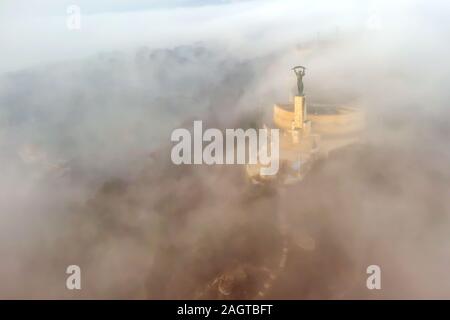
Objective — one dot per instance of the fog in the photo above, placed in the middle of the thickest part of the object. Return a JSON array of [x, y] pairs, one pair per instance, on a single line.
[[85, 123]]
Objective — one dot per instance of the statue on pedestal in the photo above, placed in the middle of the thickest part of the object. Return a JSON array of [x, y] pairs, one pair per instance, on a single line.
[[300, 73]]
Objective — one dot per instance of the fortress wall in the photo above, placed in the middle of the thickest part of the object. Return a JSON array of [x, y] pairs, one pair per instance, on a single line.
[[282, 117]]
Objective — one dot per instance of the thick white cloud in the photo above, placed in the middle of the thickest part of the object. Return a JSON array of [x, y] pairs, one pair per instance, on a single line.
[[35, 32], [104, 113]]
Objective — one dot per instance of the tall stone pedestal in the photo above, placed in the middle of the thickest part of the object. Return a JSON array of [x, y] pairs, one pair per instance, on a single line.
[[299, 111]]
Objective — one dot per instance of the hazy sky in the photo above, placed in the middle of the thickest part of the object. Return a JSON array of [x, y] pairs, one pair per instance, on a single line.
[[101, 115]]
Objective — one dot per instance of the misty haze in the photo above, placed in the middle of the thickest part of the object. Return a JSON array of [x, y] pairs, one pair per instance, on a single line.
[[88, 106]]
